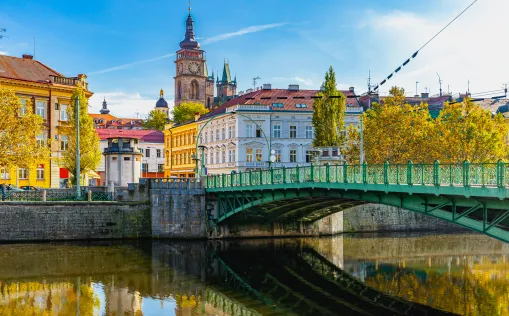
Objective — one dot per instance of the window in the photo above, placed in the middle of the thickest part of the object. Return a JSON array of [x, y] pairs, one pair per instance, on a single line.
[[160, 167], [278, 155], [258, 154], [211, 135], [4, 174], [223, 154], [230, 130], [64, 116], [301, 105], [127, 158], [309, 131], [40, 172], [144, 167], [40, 108], [293, 155], [258, 131], [223, 133], [40, 141], [217, 134], [249, 130], [309, 156], [211, 157], [249, 154], [217, 156], [64, 143], [277, 105], [147, 152], [142, 150], [23, 106], [158, 153], [206, 137], [276, 131], [232, 155], [293, 131], [23, 173]]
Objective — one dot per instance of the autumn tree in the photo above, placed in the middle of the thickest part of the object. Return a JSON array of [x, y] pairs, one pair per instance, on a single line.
[[90, 153], [185, 111], [469, 132], [351, 150], [156, 120], [396, 131], [19, 128], [329, 113]]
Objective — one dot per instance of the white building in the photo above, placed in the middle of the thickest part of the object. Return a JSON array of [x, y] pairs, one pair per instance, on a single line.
[[151, 145], [241, 134]]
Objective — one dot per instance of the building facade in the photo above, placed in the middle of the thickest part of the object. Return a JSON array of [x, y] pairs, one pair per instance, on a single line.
[[246, 131], [150, 144], [180, 149], [49, 93]]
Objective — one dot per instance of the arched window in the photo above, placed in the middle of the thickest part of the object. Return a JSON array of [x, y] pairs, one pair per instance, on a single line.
[[195, 94], [208, 102], [179, 90]]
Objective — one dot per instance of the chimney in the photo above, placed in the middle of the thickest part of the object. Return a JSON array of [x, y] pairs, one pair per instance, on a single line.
[[196, 116], [27, 56], [424, 95], [267, 86], [352, 89], [293, 87]]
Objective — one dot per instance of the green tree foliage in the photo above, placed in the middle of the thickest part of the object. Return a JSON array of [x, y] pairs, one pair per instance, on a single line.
[[19, 127], [329, 113], [186, 110], [156, 120], [90, 153]]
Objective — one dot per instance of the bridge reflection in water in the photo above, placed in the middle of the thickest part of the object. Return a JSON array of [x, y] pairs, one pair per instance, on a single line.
[[350, 275]]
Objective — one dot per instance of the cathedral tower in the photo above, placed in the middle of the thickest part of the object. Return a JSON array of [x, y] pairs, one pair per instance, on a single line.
[[192, 82], [226, 87]]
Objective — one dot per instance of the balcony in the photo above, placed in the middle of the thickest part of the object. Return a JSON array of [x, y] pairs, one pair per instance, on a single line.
[[68, 81]]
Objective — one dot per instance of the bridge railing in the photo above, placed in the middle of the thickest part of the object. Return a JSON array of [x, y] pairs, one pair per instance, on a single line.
[[466, 174]]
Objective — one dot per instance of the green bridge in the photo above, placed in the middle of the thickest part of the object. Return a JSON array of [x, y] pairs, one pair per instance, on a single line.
[[470, 195]]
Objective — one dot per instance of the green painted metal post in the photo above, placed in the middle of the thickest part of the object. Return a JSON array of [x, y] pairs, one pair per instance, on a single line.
[[337, 173], [231, 179], [240, 178], [386, 173], [436, 173], [223, 179], [284, 174], [345, 173], [409, 173], [397, 173], [327, 172], [215, 181], [466, 173], [364, 172], [450, 175], [482, 176], [271, 175], [500, 173], [422, 173], [250, 177], [78, 155], [297, 174], [261, 177], [311, 173]]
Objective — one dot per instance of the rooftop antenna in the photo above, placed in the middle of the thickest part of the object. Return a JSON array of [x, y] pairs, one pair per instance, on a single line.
[[416, 90], [440, 83], [137, 113], [369, 82], [254, 82]]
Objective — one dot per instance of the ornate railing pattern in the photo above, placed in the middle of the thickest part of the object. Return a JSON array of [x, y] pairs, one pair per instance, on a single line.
[[466, 174]]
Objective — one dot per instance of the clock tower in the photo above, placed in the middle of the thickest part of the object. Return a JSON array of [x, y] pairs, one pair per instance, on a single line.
[[192, 82]]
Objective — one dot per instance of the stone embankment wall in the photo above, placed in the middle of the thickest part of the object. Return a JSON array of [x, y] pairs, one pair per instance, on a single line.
[[73, 220]]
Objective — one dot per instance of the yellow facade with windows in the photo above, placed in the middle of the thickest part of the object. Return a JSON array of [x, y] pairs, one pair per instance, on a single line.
[[49, 94], [180, 149]]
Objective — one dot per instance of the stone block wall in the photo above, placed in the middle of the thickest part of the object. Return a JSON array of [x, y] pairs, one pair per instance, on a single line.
[[73, 220], [178, 213]]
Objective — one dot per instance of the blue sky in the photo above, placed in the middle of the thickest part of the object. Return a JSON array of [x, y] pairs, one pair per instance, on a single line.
[[125, 46]]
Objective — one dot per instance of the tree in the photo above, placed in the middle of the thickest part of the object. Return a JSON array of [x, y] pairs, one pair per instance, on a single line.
[[90, 153], [19, 128], [156, 120], [186, 110], [352, 151], [329, 113], [471, 133], [396, 132]]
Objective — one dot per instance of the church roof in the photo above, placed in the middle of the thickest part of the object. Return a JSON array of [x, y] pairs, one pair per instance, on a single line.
[[227, 78], [161, 103]]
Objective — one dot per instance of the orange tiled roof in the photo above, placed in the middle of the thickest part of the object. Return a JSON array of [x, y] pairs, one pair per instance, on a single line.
[[25, 69]]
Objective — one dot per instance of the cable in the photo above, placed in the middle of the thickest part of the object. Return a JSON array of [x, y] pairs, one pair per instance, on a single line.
[[415, 54]]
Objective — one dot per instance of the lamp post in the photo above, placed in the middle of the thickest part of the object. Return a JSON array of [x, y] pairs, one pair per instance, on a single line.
[[78, 156]]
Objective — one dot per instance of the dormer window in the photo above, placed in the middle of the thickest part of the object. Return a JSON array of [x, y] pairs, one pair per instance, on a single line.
[[277, 105]]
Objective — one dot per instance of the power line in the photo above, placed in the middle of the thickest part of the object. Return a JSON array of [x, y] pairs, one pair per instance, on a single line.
[[425, 44]]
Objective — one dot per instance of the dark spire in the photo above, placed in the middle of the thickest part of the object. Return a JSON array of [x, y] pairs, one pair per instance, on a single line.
[[226, 73], [105, 110], [189, 41]]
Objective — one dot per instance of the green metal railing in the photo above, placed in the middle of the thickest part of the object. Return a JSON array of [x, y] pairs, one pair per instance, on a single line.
[[411, 174]]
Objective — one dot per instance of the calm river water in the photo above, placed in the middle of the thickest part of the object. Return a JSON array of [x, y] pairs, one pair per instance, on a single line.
[[384, 274]]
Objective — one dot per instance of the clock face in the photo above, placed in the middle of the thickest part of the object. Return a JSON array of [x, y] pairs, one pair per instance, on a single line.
[[180, 69], [194, 68]]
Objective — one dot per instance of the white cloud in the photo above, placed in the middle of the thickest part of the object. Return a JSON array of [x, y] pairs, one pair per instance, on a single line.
[[3, 53], [473, 48], [125, 104], [129, 65], [304, 81], [243, 31]]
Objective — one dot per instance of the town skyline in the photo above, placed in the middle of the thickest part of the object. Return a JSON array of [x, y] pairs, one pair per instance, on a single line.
[[295, 46]]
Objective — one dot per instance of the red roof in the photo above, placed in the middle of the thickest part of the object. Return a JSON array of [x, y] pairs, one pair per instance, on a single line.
[[288, 98], [25, 69], [148, 136]]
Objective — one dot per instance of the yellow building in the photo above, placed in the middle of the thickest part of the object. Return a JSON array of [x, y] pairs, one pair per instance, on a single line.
[[180, 148], [49, 93]]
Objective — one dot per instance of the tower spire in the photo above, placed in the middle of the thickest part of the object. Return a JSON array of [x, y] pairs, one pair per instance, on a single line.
[[189, 41], [189, 7]]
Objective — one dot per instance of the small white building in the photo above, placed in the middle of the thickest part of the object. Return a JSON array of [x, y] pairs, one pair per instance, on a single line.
[[122, 161], [150, 144], [246, 131]]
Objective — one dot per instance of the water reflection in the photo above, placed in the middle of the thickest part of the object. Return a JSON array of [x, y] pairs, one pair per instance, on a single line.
[[370, 275]]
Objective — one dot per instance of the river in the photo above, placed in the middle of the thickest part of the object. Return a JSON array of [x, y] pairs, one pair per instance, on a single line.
[[377, 274]]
